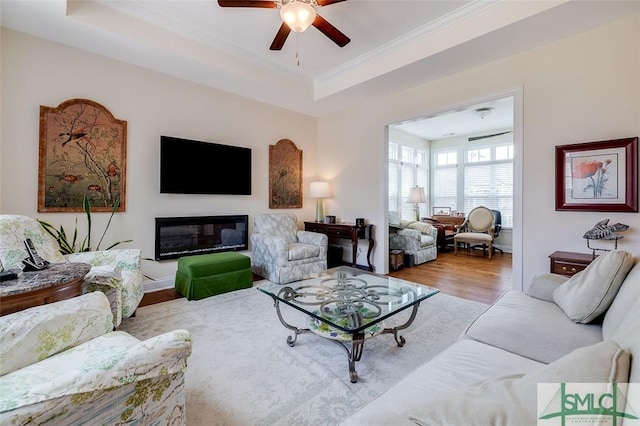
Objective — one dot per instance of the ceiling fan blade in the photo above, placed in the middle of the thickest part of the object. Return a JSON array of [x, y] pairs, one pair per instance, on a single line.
[[328, 2], [280, 37], [248, 3], [330, 31]]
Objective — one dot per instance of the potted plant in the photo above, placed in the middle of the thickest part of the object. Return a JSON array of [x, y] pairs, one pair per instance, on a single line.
[[72, 246]]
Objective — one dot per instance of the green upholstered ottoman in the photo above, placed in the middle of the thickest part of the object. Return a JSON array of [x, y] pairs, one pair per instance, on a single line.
[[206, 275]]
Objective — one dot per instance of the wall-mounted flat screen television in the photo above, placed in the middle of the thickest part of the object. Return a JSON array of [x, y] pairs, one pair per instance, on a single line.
[[196, 167]]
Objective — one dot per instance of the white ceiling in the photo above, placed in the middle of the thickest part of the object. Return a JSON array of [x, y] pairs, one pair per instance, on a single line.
[[395, 44], [464, 121]]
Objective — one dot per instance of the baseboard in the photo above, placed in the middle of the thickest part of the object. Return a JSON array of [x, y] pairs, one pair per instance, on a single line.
[[159, 284]]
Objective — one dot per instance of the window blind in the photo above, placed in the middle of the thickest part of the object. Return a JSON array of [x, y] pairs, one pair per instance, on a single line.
[[490, 185], [445, 187]]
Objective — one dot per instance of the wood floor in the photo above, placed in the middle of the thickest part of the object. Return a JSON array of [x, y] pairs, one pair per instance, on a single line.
[[468, 275]]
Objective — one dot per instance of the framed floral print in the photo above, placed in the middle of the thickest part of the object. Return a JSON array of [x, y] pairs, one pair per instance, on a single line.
[[83, 152], [598, 176]]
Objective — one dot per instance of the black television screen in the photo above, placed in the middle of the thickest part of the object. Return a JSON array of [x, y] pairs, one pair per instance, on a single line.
[[195, 167]]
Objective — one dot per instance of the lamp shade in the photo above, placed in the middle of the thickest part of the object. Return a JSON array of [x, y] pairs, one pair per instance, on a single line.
[[319, 190], [298, 15], [417, 195]]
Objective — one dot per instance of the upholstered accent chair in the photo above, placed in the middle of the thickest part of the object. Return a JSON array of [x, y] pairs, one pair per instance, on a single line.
[[416, 238], [62, 364], [282, 253], [113, 272], [478, 228]]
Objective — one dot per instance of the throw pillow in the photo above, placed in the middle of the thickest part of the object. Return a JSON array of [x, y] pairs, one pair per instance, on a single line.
[[589, 293], [542, 286], [421, 226], [511, 400]]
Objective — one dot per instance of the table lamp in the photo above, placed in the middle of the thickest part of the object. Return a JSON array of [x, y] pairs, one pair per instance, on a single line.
[[319, 190], [416, 196]]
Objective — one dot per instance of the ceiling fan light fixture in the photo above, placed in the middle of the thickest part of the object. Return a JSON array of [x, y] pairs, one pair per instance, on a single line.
[[297, 15], [482, 112]]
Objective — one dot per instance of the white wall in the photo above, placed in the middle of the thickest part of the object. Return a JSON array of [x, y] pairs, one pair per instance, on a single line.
[[581, 89], [36, 72], [585, 88]]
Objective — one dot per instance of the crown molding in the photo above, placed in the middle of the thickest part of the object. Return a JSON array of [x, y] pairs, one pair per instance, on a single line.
[[420, 33]]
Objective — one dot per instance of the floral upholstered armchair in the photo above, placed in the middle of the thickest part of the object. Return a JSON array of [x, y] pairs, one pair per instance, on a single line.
[[61, 364], [282, 253], [113, 272]]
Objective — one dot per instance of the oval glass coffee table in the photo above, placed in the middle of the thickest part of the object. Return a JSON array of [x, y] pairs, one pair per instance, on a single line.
[[56, 282], [348, 306]]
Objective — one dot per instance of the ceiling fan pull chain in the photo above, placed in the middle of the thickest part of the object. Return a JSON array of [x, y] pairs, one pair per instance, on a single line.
[[298, 48]]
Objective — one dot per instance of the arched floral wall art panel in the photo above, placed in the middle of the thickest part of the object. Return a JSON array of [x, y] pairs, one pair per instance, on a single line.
[[285, 175], [598, 176], [83, 150]]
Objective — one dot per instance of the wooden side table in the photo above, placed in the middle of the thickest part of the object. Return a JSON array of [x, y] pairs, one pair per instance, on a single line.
[[347, 231], [59, 281], [569, 263], [396, 259]]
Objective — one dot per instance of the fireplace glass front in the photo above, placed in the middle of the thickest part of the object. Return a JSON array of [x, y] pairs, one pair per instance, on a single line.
[[184, 236]]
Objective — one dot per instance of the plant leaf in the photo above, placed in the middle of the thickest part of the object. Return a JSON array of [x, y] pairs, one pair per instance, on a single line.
[[116, 204], [87, 210], [75, 236], [118, 243]]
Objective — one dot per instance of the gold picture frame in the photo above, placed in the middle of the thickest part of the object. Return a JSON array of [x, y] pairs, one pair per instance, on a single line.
[[285, 175], [82, 153]]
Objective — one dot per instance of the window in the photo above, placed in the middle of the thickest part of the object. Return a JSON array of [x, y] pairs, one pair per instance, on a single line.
[[393, 178], [404, 173], [447, 158], [485, 178], [478, 155], [445, 182]]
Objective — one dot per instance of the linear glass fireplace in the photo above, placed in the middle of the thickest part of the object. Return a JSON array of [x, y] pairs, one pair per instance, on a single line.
[[184, 236]]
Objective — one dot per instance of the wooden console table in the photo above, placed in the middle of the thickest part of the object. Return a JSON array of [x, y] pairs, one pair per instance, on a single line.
[[449, 223], [59, 281], [569, 263], [346, 231]]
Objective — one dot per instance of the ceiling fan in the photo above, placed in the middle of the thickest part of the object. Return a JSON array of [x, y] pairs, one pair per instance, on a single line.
[[296, 15]]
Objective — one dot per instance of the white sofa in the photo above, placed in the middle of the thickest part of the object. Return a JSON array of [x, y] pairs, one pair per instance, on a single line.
[[416, 238], [60, 364], [490, 376]]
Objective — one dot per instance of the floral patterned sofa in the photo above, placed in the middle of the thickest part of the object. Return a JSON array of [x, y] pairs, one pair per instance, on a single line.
[[114, 272], [61, 364], [281, 253]]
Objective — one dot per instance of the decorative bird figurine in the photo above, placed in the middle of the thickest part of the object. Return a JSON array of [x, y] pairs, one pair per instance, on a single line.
[[603, 231]]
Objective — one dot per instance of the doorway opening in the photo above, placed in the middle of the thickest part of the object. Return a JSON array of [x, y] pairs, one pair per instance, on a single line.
[[464, 157]]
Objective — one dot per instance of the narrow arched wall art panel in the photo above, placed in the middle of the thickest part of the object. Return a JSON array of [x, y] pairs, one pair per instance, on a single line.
[[285, 175]]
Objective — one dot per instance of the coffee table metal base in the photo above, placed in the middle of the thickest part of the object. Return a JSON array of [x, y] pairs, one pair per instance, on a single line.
[[354, 354]]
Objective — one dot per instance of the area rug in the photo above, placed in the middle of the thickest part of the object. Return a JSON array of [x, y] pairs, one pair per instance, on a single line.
[[242, 372]]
